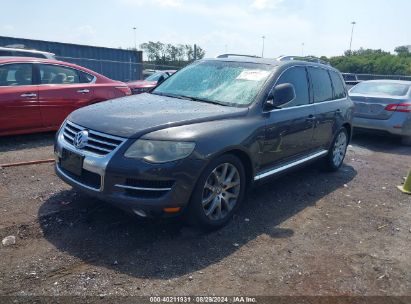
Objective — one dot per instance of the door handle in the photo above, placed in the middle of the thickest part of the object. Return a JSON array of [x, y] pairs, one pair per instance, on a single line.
[[85, 91], [29, 95], [310, 118]]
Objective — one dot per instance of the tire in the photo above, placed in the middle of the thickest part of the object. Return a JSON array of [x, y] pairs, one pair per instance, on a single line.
[[406, 140], [338, 149], [214, 201]]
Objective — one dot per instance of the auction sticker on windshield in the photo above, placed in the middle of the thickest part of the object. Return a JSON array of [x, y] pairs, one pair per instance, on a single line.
[[253, 75]]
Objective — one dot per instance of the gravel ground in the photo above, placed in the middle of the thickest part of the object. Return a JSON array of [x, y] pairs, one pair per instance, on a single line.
[[306, 233]]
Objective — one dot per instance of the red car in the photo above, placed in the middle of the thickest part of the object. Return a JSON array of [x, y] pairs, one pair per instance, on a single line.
[[141, 86], [36, 95]]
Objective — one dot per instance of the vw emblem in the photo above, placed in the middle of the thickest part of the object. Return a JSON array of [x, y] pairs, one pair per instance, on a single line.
[[80, 140]]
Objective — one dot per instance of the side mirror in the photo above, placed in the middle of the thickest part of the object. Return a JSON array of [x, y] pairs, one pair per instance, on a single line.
[[160, 80], [282, 94]]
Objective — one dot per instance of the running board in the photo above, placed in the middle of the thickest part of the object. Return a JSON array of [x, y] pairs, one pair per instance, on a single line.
[[289, 165]]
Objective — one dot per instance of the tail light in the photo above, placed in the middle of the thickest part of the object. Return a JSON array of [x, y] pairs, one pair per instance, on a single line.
[[400, 107], [125, 90]]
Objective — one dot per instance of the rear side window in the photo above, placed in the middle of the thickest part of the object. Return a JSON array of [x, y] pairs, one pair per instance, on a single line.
[[85, 77], [16, 74], [297, 76], [321, 84], [56, 74], [339, 87]]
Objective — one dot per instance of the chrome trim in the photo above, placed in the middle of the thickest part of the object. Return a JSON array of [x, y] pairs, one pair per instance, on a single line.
[[142, 188], [289, 165], [77, 182], [70, 129]]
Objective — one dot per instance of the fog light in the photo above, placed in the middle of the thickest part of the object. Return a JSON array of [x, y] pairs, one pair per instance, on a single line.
[[172, 209]]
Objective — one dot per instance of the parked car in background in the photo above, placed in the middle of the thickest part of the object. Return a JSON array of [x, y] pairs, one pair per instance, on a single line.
[[37, 94], [16, 52], [197, 141], [141, 86], [350, 80], [384, 106]]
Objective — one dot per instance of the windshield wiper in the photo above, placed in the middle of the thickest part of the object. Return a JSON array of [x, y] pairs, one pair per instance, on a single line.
[[202, 100], [190, 98]]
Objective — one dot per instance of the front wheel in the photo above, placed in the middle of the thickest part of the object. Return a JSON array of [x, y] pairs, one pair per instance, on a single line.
[[336, 154], [218, 193]]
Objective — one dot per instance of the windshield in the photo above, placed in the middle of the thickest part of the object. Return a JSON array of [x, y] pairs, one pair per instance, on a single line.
[[381, 88], [226, 83], [155, 76]]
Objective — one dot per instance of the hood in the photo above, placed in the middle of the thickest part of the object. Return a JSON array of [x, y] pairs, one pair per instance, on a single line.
[[136, 115], [141, 84]]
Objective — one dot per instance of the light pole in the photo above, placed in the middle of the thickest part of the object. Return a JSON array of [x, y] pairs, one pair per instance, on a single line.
[[302, 49], [135, 38], [262, 51], [352, 33]]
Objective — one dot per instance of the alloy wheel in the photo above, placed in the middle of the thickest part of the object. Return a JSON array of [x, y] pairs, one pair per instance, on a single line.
[[221, 191], [340, 147]]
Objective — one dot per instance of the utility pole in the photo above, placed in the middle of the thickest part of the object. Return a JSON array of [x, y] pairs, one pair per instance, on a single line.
[[135, 38], [352, 34], [262, 51]]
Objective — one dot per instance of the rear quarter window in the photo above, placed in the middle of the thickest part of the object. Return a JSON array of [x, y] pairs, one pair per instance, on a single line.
[[321, 84], [339, 87]]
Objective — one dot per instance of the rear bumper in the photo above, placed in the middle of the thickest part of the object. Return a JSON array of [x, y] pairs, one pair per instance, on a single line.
[[398, 124]]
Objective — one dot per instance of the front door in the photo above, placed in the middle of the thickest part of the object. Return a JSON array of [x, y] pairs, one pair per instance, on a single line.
[[19, 108], [289, 129]]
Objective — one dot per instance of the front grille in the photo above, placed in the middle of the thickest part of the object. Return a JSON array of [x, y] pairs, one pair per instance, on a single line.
[[87, 178], [98, 143]]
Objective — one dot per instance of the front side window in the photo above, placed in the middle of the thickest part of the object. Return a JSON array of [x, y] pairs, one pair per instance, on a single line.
[[55, 74], [16, 74], [222, 82], [321, 84], [381, 88], [339, 87], [297, 76]]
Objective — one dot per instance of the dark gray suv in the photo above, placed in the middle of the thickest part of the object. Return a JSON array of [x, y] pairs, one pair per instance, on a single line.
[[194, 144]]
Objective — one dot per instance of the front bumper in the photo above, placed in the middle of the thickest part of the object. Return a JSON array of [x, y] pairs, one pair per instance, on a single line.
[[398, 124], [133, 185]]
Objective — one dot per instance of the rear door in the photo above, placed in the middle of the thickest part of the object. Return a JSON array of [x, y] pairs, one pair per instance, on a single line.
[[289, 129], [328, 102], [61, 91], [19, 107]]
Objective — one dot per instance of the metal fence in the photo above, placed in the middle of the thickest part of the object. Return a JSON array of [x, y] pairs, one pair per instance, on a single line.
[[375, 77], [118, 70]]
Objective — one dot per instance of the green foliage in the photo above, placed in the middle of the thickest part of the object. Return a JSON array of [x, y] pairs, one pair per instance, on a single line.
[[367, 61], [161, 53]]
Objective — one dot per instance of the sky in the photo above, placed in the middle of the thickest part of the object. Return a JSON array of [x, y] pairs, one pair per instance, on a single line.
[[225, 26]]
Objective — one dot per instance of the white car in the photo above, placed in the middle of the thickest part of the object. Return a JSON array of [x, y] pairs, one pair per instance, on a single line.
[[18, 52]]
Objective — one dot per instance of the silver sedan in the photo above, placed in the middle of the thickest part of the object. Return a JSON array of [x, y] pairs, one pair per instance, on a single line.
[[383, 105]]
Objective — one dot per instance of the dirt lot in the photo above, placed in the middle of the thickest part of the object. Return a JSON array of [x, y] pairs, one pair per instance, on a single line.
[[307, 233]]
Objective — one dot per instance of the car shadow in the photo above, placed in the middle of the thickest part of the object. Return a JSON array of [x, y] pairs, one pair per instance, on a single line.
[[26, 141], [102, 235], [380, 143]]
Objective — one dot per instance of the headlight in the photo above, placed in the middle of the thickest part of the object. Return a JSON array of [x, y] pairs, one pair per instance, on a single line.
[[155, 151]]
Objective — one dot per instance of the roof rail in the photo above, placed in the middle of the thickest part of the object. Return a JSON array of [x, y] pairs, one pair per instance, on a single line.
[[236, 55], [303, 58]]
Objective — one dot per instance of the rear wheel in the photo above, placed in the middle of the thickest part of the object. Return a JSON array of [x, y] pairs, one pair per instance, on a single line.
[[336, 154], [218, 193]]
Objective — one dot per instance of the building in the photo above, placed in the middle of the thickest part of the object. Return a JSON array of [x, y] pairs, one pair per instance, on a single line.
[[118, 64]]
